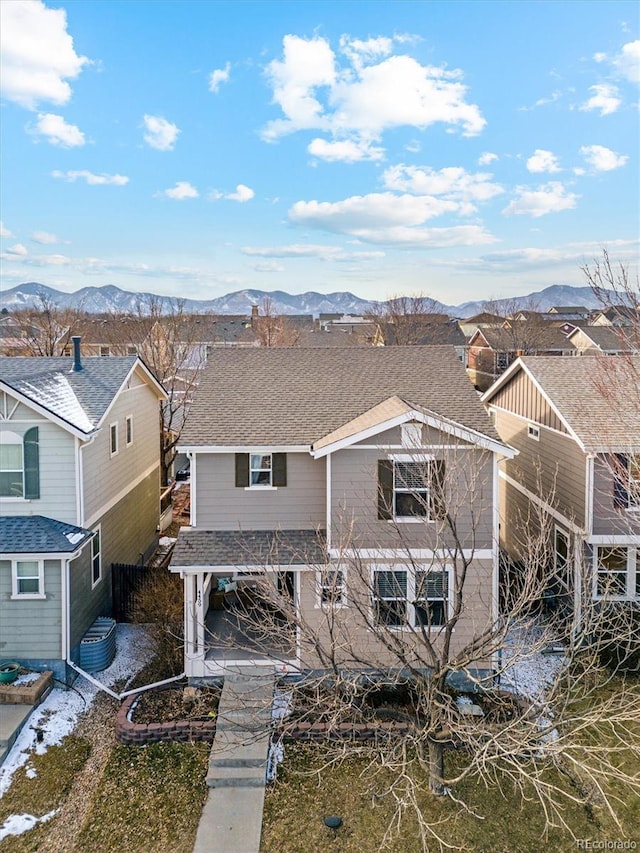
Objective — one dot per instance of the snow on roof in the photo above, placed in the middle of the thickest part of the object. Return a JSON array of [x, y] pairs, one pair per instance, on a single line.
[[56, 394]]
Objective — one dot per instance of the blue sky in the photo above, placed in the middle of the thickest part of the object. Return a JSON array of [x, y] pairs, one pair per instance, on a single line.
[[464, 150]]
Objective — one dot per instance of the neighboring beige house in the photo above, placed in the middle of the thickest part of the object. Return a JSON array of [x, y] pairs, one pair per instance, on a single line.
[[576, 425], [603, 340], [79, 490], [340, 478]]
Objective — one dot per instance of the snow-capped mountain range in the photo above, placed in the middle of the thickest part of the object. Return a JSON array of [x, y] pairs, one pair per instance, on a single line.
[[109, 299]]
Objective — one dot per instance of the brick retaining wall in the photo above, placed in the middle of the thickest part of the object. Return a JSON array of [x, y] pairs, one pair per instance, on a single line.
[[180, 731]]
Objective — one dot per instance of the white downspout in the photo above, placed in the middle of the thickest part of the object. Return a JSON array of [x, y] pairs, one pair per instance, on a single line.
[[495, 576], [328, 498]]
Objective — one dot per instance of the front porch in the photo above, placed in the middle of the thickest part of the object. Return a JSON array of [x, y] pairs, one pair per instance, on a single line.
[[237, 587]]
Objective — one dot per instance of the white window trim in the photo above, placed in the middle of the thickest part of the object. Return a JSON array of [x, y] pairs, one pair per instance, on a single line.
[[633, 553], [411, 590], [128, 428], [98, 530], [264, 487], [113, 426], [533, 431], [20, 596], [18, 442], [409, 519], [328, 605]]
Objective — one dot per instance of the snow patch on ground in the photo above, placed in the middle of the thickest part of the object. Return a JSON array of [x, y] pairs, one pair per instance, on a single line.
[[17, 824], [525, 669], [58, 715]]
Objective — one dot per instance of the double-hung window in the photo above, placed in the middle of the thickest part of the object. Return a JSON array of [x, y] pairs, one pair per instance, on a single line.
[[260, 469], [19, 465], [331, 587], [617, 572], [28, 579], [408, 597], [410, 488], [96, 559], [634, 481]]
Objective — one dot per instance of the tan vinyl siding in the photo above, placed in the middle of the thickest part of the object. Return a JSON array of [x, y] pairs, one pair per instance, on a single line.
[[56, 450], [431, 437], [354, 503], [220, 505], [352, 633], [554, 467], [31, 628], [607, 518], [521, 397], [106, 476]]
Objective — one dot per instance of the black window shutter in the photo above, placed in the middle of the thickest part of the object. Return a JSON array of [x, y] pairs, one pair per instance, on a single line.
[[242, 470], [620, 481], [279, 469], [438, 508], [31, 464], [385, 489]]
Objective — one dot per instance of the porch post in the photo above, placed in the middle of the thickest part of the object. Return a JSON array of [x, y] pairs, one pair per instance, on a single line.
[[189, 628], [200, 614]]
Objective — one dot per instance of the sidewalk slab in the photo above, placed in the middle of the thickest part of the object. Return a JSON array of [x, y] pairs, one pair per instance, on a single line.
[[12, 720], [237, 777], [231, 821], [233, 748]]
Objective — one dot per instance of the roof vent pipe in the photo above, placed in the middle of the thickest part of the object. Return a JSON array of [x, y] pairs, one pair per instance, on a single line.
[[77, 363]]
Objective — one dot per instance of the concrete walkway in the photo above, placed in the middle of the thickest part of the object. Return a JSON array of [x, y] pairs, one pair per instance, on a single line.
[[231, 820]]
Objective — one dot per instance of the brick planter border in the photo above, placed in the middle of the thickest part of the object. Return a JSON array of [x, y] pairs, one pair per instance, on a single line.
[[140, 734]]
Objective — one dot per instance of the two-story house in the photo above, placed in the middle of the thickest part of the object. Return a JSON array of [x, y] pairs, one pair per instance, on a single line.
[[360, 484], [576, 425], [79, 490]]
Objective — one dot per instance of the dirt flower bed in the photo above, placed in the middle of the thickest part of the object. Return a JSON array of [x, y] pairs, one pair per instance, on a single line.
[[177, 703]]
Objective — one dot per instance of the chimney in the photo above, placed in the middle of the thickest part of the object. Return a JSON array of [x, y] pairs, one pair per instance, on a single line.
[[77, 363], [254, 314]]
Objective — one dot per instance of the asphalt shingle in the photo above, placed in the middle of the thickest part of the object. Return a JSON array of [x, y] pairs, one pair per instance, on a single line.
[[37, 534], [81, 398], [249, 547], [295, 396]]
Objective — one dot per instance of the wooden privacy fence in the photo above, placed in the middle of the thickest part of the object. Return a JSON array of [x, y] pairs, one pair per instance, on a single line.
[[127, 580]]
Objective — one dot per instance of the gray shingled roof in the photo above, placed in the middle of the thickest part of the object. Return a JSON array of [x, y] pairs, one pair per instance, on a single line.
[[598, 397], [540, 338], [608, 337], [79, 398], [37, 534], [249, 548], [295, 396]]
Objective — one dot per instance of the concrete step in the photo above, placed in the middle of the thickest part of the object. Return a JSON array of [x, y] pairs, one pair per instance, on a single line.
[[236, 777], [246, 701], [249, 673], [233, 748], [247, 720], [13, 718]]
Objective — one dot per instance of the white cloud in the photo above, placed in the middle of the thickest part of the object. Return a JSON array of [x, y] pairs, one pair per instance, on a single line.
[[310, 250], [17, 249], [388, 219], [602, 159], [181, 191], [45, 238], [543, 161], [605, 98], [4, 232], [38, 56], [91, 178], [366, 97], [453, 182], [56, 131], [269, 266], [547, 198], [627, 62], [599, 57], [413, 147], [486, 158], [219, 76], [242, 194], [160, 133], [542, 102], [345, 150]]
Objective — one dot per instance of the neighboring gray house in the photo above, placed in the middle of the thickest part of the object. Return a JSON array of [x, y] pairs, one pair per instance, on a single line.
[[576, 425], [311, 468], [79, 490]]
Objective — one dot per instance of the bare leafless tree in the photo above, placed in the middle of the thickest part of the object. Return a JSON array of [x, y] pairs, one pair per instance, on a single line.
[[272, 329], [428, 632], [44, 329], [402, 319]]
